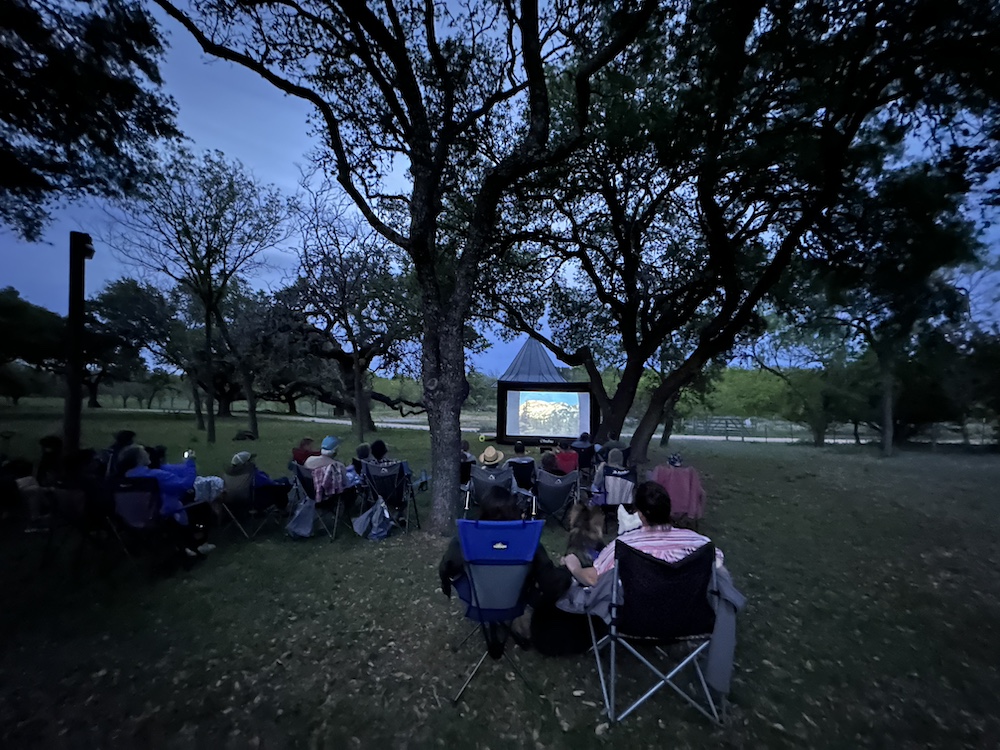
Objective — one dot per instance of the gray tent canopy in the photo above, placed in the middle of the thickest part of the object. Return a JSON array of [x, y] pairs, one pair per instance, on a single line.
[[532, 365]]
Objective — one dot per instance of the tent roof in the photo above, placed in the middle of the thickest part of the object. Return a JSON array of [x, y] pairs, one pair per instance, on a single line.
[[532, 365]]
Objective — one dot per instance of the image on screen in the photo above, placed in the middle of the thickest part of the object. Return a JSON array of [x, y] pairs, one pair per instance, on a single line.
[[544, 413]]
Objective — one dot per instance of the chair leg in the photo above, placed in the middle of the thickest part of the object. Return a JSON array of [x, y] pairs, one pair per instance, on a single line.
[[457, 698], [233, 518], [466, 639], [596, 648], [319, 517], [520, 674], [416, 510]]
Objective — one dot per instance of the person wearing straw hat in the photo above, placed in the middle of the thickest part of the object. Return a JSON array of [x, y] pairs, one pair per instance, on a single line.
[[491, 458]]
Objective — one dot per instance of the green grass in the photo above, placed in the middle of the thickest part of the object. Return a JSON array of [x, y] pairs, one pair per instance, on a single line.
[[873, 603]]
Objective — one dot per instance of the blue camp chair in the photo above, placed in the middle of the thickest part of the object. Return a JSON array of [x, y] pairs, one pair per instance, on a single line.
[[498, 557]]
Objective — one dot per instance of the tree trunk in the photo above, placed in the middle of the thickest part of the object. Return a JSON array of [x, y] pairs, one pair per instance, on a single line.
[[613, 420], [225, 407], [819, 435], [857, 433], [443, 370], [669, 413], [209, 377], [199, 416], [124, 402], [251, 405], [293, 408], [888, 403], [362, 405], [92, 402]]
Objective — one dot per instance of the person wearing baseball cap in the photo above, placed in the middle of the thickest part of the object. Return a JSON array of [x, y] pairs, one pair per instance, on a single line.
[[327, 454]]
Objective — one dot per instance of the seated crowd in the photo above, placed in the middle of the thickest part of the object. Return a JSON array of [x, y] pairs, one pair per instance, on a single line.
[[645, 523], [189, 503]]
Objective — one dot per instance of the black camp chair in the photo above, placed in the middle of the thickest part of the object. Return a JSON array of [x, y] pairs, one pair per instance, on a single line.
[[525, 474], [465, 481], [392, 483], [554, 494], [485, 478], [657, 603]]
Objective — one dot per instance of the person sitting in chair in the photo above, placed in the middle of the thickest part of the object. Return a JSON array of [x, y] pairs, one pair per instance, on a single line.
[[306, 449], [467, 456], [550, 466], [327, 454], [380, 451], [491, 458], [175, 482], [526, 481], [243, 463], [656, 537], [567, 459], [547, 581]]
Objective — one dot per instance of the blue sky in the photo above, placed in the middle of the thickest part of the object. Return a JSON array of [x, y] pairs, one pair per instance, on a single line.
[[220, 106]]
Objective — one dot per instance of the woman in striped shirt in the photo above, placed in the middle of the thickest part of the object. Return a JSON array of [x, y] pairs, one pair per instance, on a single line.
[[656, 537]]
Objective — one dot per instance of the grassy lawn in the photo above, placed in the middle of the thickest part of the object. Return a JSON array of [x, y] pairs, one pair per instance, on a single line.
[[873, 605]]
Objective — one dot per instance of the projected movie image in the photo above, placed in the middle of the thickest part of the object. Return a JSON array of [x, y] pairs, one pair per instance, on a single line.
[[552, 413]]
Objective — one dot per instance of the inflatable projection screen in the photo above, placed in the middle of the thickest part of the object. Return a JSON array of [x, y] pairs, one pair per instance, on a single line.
[[543, 413]]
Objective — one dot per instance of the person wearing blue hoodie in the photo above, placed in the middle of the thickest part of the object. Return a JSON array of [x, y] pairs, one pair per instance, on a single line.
[[175, 481]]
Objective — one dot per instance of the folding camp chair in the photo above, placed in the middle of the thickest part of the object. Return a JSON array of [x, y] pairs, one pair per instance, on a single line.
[[137, 509], [136, 521], [242, 499], [658, 603], [465, 481], [485, 478], [392, 483], [555, 494], [304, 478], [525, 473], [335, 502], [619, 489], [585, 463], [498, 557]]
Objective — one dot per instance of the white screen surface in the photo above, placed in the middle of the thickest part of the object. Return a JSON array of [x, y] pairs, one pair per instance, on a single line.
[[547, 413]]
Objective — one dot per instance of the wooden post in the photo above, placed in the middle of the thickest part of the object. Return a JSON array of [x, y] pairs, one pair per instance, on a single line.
[[81, 249]]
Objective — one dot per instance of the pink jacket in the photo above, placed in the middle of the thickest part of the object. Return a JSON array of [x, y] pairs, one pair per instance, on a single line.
[[682, 483]]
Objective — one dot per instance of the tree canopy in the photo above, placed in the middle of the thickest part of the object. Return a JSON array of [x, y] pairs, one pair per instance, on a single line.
[[80, 106]]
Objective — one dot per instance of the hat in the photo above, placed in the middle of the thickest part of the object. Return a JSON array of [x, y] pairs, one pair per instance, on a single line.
[[674, 459], [490, 456], [330, 443], [243, 458]]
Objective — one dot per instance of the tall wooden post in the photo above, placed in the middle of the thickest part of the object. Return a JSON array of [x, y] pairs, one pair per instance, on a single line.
[[81, 249]]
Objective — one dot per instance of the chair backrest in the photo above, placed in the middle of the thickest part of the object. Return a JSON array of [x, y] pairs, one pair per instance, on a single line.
[[524, 473], [137, 501], [586, 455], [484, 478], [388, 481], [555, 492], [662, 599], [619, 484], [465, 471], [305, 477], [239, 487], [498, 557]]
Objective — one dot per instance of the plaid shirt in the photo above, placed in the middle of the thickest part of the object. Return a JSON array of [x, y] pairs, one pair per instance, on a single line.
[[663, 542], [330, 480]]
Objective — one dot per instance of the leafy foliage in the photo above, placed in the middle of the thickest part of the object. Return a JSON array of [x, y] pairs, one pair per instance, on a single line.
[[80, 110]]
